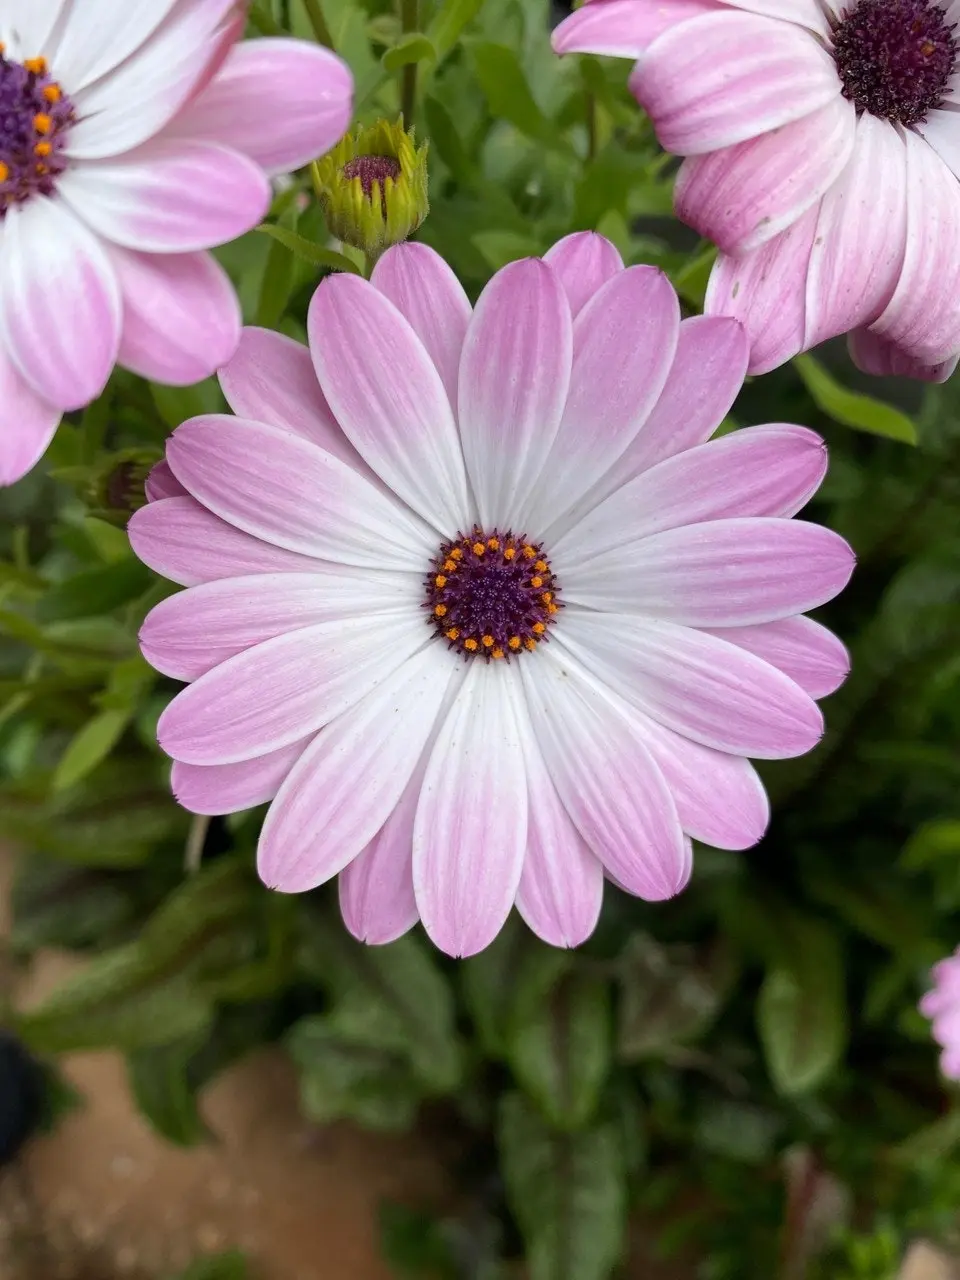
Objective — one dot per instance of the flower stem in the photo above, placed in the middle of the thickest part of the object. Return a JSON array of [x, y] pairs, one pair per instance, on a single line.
[[408, 75], [196, 839], [318, 22], [591, 126]]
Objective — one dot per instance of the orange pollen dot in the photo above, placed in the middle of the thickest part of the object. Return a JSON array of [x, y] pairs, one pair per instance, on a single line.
[[453, 633], [37, 65], [440, 610], [541, 566], [509, 553], [41, 169], [52, 92], [42, 122], [470, 644], [497, 653], [539, 628], [552, 608], [514, 642], [547, 597], [536, 582], [488, 642], [42, 149], [530, 644], [529, 552], [456, 553], [440, 580], [449, 565], [4, 171], [478, 548], [493, 544]]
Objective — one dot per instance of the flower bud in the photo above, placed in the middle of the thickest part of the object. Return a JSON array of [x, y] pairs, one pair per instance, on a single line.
[[116, 490], [372, 187]]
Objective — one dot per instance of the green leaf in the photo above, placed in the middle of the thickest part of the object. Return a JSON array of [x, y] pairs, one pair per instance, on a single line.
[[559, 1038], [448, 23], [850, 407], [220, 1266], [801, 1010], [308, 250], [176, 404], [487, 985], [162, 1090], [567, 1192], [89, 747], [413, 47], [930, 843], [508, 95], [96, 591], [666, 1000], [501, 247]]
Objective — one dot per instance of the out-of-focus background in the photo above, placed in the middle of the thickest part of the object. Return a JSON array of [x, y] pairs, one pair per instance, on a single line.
[[736, 1085]]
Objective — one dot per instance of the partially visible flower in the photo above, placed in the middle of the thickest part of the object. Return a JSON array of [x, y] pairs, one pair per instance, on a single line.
[[118, 486], [482, 612], [372, 187], [823, 145], [942, 1006], [133, 136]]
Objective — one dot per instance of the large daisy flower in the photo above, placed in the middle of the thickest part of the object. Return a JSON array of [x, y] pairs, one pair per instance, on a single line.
[[133, 136], [942, 1006], [823, 145], [472, 600]]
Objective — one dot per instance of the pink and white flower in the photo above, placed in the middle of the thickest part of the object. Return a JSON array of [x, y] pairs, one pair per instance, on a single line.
[[823, 148], [134, 136], [942, 1006], [472, 600]]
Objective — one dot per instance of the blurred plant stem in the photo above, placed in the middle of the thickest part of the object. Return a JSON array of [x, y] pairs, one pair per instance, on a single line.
[[193, 853], [318, 22], [408, 74], [591, 127]]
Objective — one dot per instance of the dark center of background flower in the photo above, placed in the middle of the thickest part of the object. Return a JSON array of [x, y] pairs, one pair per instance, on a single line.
[[371, 169], [491, 595], [895, 58], [35, 115]]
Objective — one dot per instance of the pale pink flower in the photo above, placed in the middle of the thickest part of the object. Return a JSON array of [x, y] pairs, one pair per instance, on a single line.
[[481, 610], [823, 145], [942, 1006], [135, 134]]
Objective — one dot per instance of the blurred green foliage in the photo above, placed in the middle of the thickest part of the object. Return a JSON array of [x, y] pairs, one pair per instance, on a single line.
[[667, 1070]]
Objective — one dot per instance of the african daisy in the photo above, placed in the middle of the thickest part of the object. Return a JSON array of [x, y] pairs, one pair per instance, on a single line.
[[823, 145], [942, 1006], [133, 136], [472, 600]]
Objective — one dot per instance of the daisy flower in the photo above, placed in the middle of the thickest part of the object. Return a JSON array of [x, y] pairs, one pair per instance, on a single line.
[[942, 1006], [133, 136], [473, 601], [823, 146]]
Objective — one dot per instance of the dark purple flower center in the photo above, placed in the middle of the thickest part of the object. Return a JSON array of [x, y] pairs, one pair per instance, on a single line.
[[491, 595], [371, 169], [895, 58], [35, 115]]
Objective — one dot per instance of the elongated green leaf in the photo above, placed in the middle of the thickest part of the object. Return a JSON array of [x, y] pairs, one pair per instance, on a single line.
[[413, 47], [508, 95], [92, 744], [308, 249], [164, 1094], [850, 407], [448, 23], [567, 1192]]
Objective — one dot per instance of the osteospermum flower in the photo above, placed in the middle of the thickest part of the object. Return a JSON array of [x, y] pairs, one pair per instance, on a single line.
[[473, 602], [132, 137], [942, 1006], [823, 145]]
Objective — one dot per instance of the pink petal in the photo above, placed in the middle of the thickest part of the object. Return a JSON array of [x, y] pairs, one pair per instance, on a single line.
[[187, 634], [183, 541], [279, 487], [181, 317], [281, 102], [923, 316], [624, 342], [875, 355], [699, 686], [726, 573], [584, 262], [376, 888], [765, 291], [95, 38], [606, 777], [284, 689], [231, 788], [162, 483], [386, 394], [623, 28], [514, 376], [59, 303], [470, 829], [27, 424], [561, 886], [719, 797], [859, 245], [758, 471], [171, 196], [271, 379], [725, 77], [802, 649], [349, 780], [159, 78], [742, 196], [432, 300]]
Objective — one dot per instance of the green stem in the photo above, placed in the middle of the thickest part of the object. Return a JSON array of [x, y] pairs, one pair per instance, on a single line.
[[591, 127], [318, 22], [193, 853], [408, 77], [265, 22]]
